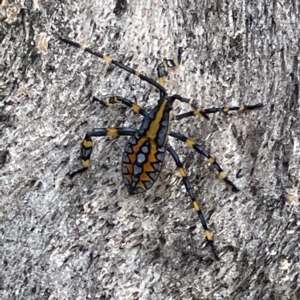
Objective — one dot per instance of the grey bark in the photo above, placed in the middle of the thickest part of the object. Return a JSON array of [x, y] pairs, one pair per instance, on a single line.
[[87, 238]]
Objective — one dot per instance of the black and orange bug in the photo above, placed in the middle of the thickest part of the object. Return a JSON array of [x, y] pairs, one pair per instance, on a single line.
[[145, 150]]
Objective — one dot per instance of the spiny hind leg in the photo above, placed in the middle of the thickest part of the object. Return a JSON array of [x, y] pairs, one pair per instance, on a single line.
[[87, 144], [195, 203]]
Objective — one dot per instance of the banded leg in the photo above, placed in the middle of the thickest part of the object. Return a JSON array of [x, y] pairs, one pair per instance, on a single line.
[[224, 109], [117, 63], [167, 63], [202, 151], [162, 72], [117, 99], [87, 143], [189, 102], [190, 191]]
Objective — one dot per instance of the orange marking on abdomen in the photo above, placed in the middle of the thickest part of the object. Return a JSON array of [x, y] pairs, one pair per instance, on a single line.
[[129, 167], [136, 148], [147, 166], [144, 176]]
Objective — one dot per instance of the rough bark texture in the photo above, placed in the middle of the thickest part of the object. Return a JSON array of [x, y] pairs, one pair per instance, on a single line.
[[87, 238]]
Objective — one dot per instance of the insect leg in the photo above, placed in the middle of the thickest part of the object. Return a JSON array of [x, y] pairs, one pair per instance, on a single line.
[[202, 151], [117, 99], [116, 63], [224, 109], [189, 102], [87, 143], [196, 204], [167, 63]]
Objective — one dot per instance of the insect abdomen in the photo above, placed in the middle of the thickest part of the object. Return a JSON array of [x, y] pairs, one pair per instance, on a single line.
[[145, 151], [141, 163]]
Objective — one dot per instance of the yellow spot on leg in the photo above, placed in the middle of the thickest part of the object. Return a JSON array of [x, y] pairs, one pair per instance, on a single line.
[[211, 159], [223, 175], [182, 172], [135, 107], [87, 143], [208, 235], [189, 142], [161, 81], [107, 58], [112, 132], [85, 162], [196, 205], [226, 109], [242, 107]]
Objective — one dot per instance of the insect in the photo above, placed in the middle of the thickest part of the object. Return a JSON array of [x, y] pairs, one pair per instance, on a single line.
[[145, 150]]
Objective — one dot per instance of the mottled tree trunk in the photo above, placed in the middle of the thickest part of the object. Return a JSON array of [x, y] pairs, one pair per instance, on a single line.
[[86, 237]]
